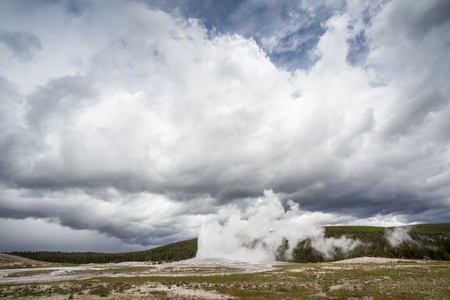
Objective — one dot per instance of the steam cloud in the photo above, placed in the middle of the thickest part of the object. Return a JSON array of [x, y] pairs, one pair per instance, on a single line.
[[258, 235], [398, 235]]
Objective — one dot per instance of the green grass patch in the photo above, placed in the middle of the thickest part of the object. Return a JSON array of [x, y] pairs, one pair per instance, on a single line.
[[30, 273]]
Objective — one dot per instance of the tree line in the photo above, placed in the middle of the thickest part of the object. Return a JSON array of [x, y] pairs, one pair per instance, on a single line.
[[428, 241], [171, 252]]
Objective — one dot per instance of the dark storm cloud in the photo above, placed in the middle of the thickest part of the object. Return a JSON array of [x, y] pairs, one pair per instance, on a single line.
[[12, 104], [71, 7], [366, 195], [419, 20], [179, 112], [76, 212], [61, 96], [23, 45]]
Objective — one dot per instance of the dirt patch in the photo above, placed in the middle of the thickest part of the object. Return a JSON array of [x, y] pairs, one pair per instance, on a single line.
[[218, 264], [178, 292]]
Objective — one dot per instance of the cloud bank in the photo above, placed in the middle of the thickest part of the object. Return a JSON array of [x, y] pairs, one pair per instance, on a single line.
[[140, 121]]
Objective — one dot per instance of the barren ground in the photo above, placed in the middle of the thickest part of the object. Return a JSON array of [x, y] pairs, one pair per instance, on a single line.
[[359, 278]]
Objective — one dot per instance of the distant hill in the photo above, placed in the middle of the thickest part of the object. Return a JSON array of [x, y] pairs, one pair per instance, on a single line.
[[171, 252], [425, 241], [11, 261]]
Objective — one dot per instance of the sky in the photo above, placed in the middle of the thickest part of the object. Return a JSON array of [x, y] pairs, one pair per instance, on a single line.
[[127, 124]]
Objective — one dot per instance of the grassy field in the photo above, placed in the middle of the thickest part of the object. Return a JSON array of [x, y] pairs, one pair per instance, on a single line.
[[388, 280]]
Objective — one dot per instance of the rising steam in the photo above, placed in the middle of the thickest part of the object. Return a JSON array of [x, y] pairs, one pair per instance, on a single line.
[[268, 233], [398, 235]]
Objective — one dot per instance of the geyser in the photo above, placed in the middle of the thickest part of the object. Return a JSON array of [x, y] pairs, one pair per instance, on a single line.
[[270, 232]]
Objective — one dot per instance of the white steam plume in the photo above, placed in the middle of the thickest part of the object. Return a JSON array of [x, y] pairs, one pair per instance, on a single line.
[[398, 235], [258, 237]]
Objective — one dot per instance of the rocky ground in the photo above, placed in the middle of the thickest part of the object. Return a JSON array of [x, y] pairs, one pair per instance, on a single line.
[[190, 267]]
